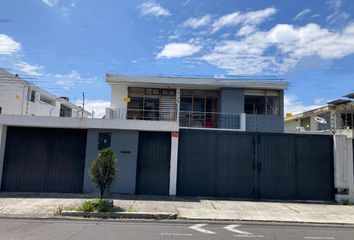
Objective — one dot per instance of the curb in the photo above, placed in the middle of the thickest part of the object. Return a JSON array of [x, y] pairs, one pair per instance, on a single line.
[[120, 215], [177, 220]]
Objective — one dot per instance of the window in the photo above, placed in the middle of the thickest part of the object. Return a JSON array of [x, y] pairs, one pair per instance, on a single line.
[[262, 102], [47, 100], [347, 120], [198, 107], [31, 95], [104, 140], [65, 111], [151, 103], [306, 123], [0, 109]]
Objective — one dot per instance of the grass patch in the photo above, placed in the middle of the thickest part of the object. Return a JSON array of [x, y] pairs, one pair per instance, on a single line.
[[96, 205]]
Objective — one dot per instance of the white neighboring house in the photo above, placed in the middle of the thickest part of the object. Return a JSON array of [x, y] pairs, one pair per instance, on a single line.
[[19, 97], [338, 115]]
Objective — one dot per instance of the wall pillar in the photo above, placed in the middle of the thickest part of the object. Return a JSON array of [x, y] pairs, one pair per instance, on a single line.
[[3, 130], [174, 163], [343, 168]]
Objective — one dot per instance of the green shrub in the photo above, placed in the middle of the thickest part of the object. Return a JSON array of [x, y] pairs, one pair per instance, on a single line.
[[103, 170], [96, 205]]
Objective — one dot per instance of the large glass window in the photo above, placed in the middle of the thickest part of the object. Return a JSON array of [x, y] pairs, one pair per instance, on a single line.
[[262, 102], [198, 108], [151, 103]]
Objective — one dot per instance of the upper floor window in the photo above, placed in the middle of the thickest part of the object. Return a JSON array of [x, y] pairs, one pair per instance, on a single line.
[[151, 103], [65, 111], [47, 100], [31, 95], [262, 102]]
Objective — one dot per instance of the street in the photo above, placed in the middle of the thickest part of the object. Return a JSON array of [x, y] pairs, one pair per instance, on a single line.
[[104, 229]]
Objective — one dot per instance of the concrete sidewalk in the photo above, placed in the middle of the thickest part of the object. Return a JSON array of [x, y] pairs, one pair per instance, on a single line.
[[45, 205]]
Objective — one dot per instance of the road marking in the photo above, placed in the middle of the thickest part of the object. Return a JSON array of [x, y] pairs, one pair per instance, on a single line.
[[198, 227], [176, 234], [249, 236], [232, 229], [326, 238]]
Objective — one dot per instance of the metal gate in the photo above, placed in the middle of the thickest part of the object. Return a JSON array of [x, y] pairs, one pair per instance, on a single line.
[[255, 165], [153, 168], [44, 160]]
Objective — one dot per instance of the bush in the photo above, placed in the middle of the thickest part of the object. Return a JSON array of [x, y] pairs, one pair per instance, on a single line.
[[103, 170], [97, 205]]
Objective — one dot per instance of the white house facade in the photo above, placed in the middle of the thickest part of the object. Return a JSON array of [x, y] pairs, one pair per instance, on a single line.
[[19, 97]]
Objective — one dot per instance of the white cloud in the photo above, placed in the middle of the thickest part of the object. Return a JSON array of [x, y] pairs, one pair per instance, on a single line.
[[293, 105], [197, 22], [246, 30], [98, 106], [237, 18], [50, 3], [29, 69], [71, 79], [8, 46], [172, 50], [301, 14], [152, 8], [281, 48], [337, 16]]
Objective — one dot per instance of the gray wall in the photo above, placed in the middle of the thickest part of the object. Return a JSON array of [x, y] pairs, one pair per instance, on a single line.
[[121, 140], [232, 101]]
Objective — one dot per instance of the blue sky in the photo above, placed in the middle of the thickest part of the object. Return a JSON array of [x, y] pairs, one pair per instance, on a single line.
[[67, 46]]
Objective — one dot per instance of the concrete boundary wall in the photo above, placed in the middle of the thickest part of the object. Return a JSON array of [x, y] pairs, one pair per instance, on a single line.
[[343, 168], [125, 145]]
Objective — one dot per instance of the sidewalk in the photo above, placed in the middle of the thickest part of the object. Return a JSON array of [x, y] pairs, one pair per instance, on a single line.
[[44, 206]]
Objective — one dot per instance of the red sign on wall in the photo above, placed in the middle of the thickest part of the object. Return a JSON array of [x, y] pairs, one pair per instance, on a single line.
[[175, 134]]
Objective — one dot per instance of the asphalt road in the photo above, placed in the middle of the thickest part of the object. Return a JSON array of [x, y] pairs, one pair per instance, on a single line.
[[100, 230]]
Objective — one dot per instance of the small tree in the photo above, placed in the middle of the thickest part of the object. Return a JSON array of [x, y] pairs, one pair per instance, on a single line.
[[103, 170]]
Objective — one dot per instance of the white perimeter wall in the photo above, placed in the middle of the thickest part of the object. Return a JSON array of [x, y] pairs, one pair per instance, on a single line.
[[343, 166]]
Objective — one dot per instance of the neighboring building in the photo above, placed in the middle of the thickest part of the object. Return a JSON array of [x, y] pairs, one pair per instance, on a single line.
[[337, 115], [244, 105], [19, 97]]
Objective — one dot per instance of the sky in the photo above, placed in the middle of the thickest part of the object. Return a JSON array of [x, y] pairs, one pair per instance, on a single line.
[[68, 46]]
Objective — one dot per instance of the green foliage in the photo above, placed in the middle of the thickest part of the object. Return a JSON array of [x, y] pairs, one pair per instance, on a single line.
[[96, 205], [346, 202], [103, 170]]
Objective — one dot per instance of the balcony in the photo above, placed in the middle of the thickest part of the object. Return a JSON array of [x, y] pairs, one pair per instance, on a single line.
[[186, 119]]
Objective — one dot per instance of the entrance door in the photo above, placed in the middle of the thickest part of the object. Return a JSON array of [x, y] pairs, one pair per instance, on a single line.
[[153, 170]]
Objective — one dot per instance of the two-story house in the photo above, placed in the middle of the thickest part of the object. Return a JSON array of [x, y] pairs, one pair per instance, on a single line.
[[20, 97], [337, 115], [232, 104]]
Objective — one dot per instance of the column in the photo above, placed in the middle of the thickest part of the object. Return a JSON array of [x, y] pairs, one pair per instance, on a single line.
[[174, 163], [3, 130]]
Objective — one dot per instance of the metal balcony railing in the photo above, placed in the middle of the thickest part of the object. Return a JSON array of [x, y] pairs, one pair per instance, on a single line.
[[187, 119], [141, 114]]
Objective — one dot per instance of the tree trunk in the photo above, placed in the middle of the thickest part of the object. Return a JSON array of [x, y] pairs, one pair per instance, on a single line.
[[101, 192]]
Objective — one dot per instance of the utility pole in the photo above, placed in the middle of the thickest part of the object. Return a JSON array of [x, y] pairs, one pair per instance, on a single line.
[[83, 104]]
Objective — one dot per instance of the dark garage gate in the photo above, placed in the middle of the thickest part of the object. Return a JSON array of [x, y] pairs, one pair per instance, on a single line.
[[153, 168], [44, 160], [255, 165]]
